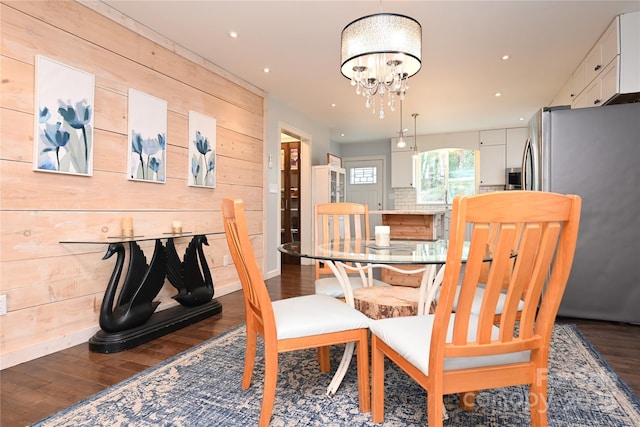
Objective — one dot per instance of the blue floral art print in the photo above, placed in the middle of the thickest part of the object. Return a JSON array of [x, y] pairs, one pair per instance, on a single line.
[[64, 118], [148, 141], [202, 150]]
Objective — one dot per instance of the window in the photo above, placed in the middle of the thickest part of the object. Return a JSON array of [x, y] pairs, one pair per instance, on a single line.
[[442, 174], [366, 175]]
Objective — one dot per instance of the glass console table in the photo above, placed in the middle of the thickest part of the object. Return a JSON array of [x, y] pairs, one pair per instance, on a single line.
[[127, 314]]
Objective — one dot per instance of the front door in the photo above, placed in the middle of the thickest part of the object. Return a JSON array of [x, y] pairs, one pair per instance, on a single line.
[[365, 184]]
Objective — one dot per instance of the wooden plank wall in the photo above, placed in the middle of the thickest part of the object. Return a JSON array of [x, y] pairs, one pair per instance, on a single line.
[[54, 290]]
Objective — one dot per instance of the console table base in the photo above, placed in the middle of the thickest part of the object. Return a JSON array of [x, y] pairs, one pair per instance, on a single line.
[[161, 323]]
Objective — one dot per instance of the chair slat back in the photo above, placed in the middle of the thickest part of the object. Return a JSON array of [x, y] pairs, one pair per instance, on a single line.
[[335, 221], [532, 238], [256, 296]]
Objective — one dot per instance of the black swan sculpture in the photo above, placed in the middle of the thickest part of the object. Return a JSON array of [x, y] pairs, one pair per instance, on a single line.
[[141, 285], [191, 277]]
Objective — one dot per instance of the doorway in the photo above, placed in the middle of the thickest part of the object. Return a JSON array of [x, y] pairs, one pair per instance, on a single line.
[[366, 184], [290, 192]]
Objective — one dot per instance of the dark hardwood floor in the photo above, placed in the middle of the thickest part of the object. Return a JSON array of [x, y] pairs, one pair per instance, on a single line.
[[33, 390]]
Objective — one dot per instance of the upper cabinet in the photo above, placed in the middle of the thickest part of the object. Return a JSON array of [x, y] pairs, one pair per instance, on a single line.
[[612, 66], [516, 140], [329, 184], [402, 167], [493, 152]]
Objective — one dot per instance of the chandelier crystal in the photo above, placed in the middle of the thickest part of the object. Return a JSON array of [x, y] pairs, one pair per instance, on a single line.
[[379, 53]]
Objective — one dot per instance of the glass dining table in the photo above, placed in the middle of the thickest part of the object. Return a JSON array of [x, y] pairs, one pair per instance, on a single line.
[[348, 256]]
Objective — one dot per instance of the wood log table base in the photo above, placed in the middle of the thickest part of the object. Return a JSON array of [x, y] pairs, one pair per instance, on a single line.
[[381, 302]]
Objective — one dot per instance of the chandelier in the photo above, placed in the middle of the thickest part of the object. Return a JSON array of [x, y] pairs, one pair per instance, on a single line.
[[379, 53]]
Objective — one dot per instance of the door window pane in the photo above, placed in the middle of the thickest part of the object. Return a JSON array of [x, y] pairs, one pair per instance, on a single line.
[[367, 175]]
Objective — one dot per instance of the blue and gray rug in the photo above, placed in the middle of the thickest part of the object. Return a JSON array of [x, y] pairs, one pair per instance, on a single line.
[[201, 387]]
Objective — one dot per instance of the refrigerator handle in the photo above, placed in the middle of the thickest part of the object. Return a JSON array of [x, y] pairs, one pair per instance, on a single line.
[[525, 156]]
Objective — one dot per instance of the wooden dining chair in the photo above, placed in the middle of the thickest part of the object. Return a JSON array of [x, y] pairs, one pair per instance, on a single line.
[[311, 321], [482, 280], [449, 352], [335, 221]]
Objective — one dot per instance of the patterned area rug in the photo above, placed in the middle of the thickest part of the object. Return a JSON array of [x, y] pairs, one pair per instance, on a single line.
[[201, 387]]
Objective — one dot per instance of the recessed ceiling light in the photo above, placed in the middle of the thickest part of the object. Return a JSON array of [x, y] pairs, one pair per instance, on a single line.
[[333, 105], [521, 119], [505, 57], [498, 94], [342, 134], [233, 34], [266, 70]]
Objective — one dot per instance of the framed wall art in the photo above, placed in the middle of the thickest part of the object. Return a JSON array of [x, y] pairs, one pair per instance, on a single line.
[[202, 150], [63, 136], [147, 153], [334, 160]]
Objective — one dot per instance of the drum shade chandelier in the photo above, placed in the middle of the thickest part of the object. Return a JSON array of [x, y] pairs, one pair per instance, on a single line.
[[379, 53]]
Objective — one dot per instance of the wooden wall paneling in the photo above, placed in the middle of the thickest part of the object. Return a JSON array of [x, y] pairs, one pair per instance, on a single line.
[[115, 72], [29, 283], [55, 290], [239, 172], [108, 34], [17, 81], [17, 141], [110, 113], [22, 188], [110, 153], [22, 328], [28, 235], [233, 144]]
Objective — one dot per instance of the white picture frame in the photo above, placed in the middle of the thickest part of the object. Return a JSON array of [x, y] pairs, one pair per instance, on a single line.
[[63, 118], [147, 147], [202, 161]]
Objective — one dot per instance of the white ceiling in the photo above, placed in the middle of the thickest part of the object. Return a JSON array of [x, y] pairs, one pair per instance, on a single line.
[[462, 69]]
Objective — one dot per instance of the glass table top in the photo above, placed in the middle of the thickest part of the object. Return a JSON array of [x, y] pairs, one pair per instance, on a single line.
[[398, 252]]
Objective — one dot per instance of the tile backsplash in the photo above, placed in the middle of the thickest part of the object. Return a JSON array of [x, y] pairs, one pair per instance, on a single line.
[[405, 198]]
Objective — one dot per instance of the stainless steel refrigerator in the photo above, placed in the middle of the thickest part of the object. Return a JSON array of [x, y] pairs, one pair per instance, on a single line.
[[594, 153]]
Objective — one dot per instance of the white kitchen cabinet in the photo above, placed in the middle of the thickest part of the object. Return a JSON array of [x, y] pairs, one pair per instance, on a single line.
[[516, 139], [578, 81], [493, 137], [402, 165], [564, 96], [492, 164], [328, 184], [402, 169], [493, 156], [612, 66], [605, 50], [601, 89], [579, 101]]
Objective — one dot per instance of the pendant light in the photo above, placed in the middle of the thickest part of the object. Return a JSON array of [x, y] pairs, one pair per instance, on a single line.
[[401, 142], [415, 134]]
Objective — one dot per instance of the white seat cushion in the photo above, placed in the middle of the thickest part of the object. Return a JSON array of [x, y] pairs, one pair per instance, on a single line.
[[477, 301], [331, 286], [410, 336], [315, 314]]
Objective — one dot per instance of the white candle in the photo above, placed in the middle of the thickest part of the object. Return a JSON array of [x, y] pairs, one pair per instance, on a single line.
[[176, 227], [382, 235], [127, 226]]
